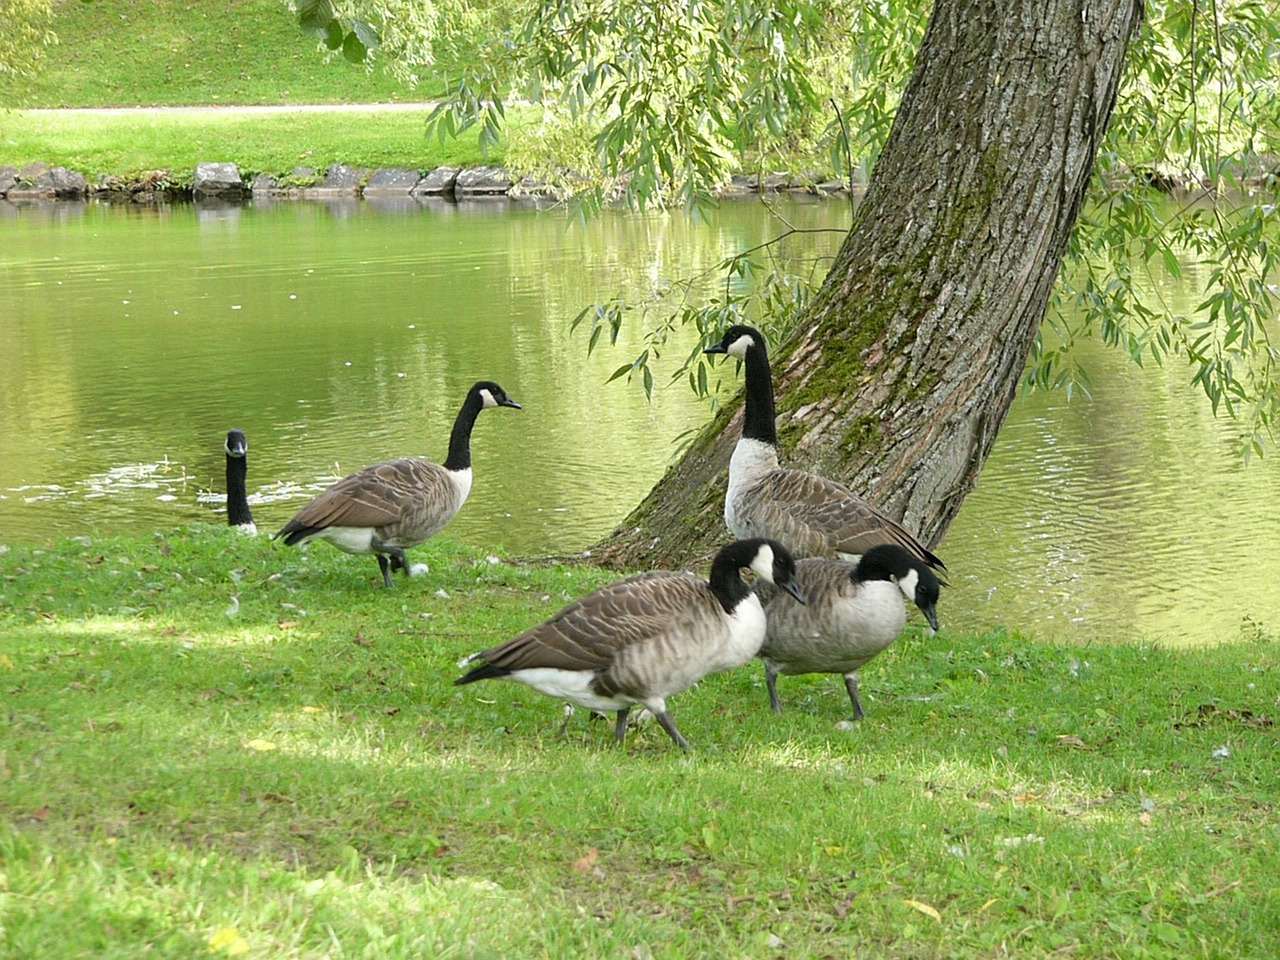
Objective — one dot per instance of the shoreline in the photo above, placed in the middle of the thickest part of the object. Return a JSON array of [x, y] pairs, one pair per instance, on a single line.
[[42, 183]]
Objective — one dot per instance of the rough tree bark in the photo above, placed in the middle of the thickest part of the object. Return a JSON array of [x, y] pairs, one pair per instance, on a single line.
[[911, 353]]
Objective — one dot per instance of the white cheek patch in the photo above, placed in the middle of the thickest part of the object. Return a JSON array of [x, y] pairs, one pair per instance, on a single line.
[[740, 346], [762, 564], [486, 398], [908, 584]]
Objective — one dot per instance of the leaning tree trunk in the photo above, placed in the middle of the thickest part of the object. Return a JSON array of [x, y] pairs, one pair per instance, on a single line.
[[911, 353]]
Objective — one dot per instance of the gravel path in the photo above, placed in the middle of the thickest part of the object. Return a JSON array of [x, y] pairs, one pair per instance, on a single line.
[[421, 106]]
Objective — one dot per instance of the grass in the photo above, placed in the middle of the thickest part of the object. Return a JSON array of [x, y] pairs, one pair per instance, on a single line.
[[126, 145], [300, 778], [114, 53], [167, 53]]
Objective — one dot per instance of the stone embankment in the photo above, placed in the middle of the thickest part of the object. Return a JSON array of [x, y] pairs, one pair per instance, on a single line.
[[223, 181]]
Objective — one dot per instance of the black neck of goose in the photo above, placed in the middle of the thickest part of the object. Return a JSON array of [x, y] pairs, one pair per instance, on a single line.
[[726, 582], [238, 512], [460, 440], [758, 417]]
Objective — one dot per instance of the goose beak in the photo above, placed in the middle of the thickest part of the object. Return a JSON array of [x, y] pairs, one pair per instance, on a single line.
[[237, 449], [791, 588], [508, 402], [931, 614], [717, 348]]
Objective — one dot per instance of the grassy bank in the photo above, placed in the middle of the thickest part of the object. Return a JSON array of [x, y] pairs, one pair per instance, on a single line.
[[127, 144], [293, 774], [113, 53], [152, 53]]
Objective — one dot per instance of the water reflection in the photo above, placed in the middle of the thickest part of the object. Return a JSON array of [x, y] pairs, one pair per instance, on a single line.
[[340, 334]]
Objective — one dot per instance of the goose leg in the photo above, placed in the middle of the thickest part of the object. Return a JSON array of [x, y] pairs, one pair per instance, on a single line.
[[771, 681], [851, 684], [620, 728], [668, 725], [564, 727], [385, 566], [398, 560]]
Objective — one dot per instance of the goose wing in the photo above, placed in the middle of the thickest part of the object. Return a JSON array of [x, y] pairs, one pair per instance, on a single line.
[[589, 633], [815, 516], [373, 497]]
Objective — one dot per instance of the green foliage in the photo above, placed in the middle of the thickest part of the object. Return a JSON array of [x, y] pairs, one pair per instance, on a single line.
[[674, 111], [660, 102], [317, 18], [1199, 114], [25, 34], [758, 286], [297, 776]]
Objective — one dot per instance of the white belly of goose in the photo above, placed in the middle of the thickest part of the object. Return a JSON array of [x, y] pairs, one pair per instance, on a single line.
[[349, 539], [571, 685]]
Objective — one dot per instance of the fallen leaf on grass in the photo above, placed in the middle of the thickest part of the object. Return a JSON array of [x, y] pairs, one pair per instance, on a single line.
[[924, 908], [1144, 818], [260, 745], [40, 814], [584, 863], [228, 941], [1070, 740], [287, 624]]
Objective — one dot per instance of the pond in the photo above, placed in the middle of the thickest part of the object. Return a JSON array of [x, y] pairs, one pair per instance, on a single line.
[[340, 334]]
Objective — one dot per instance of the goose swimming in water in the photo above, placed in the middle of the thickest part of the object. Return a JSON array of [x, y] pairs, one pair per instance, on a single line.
[[238, 513]]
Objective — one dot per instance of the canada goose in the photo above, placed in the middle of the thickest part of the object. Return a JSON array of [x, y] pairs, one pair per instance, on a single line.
[[391, 506], [644, 639], [238, 513], [852, 612], [813, 516]]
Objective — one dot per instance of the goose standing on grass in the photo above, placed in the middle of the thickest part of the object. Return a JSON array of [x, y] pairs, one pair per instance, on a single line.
[[852, 612], [238, 513], [389, 507], [644, 639], [813, 516]]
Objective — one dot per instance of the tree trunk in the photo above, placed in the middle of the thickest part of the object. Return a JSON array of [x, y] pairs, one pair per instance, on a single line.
[[912, 351]]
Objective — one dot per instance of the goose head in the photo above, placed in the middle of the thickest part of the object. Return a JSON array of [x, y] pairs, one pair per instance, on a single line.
[[236, 445], [772, 562], [492, 395], [917, 582], [737, 340]]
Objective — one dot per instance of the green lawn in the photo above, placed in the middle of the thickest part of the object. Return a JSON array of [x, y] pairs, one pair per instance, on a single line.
[[114, 53], [294, 775], [169, 53], [126, 144]]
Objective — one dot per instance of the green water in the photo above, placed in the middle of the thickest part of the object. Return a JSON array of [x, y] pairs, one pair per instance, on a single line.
[[337, 335]]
